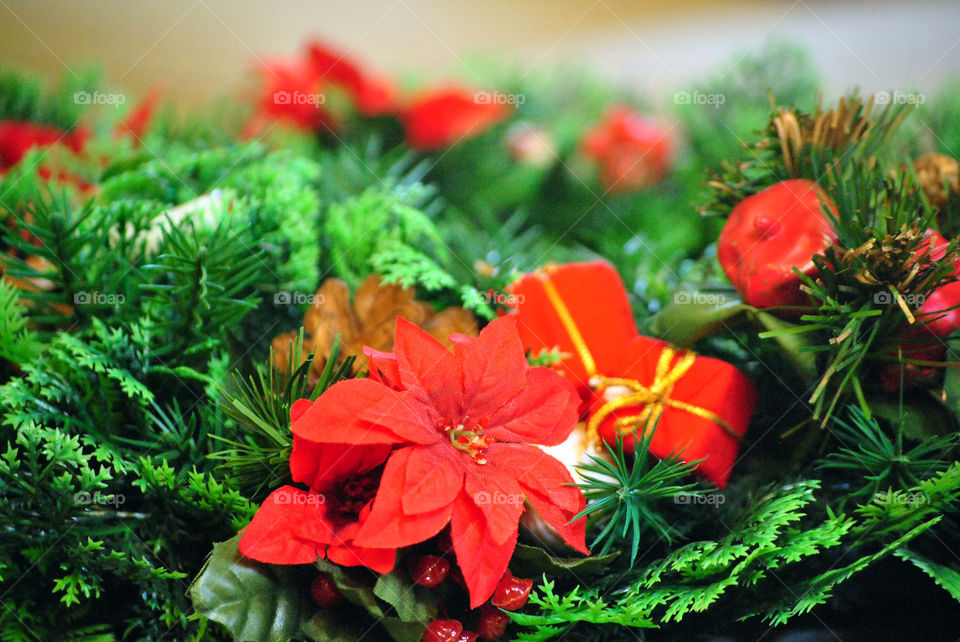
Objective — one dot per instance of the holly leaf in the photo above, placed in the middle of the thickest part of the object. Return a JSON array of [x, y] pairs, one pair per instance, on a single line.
[[921, 414], [686, 321], [533, 561], [391, 600], [255, 602]]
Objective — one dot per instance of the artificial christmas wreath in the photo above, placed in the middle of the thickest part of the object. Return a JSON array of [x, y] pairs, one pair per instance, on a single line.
[[536, 392]]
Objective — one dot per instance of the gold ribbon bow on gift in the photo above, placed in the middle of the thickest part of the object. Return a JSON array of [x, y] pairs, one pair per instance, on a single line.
[[653, 397]]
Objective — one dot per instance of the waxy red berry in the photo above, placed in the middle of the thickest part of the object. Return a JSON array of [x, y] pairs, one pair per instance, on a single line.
[[443, 631], [511, 593], [429, 570], [325, 593], [492, 623]]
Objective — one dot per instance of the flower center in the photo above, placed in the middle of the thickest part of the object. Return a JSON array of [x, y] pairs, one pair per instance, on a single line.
[[469, 437], [357, 491]]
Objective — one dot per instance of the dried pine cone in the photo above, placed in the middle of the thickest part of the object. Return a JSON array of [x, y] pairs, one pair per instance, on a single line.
[[369, 321], [939, 176]]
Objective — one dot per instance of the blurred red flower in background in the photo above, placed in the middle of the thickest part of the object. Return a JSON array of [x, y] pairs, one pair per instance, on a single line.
[[19, 137], [443, 117], [296, 91], [630, 151]]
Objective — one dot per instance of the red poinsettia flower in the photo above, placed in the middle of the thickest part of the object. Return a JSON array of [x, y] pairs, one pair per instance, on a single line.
[[139, 118], [460, 425], [444, 117], [295, 526], [19, 137], [630, 151], [372, 95], [296, 91]]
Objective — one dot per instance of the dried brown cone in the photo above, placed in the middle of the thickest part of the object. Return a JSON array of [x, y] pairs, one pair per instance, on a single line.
[[939, 176], [894, 261], [370, 320], [835, 129]]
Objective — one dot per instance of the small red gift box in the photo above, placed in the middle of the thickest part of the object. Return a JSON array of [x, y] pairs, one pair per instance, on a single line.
[[581, 311]]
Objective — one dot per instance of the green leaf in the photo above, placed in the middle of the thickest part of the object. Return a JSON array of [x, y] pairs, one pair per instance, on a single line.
[[685, 323], [533, 561], [253, 601], [945, 577]]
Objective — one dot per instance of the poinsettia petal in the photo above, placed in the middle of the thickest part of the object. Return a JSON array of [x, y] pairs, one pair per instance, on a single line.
[[320, 465], [335, 416], [380, 560], [497, 495], [494, 367], [545, 411], [540, 472], [434, 477], [383, 367], [573, 533], [272, 535], [299, 407], [427, 365], [388, 525], [407, 414], [479, 557]]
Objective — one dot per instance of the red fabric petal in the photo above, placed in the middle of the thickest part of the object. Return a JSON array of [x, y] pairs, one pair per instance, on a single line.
[[479, 557], [345, 553], [383, 367], [539, 472], [321, 465], [299, 407], [427, 365], [545, 412], [388, 525], [335, 416], [272, 536], [497, 495], [433, 478], [574, 534], [494, 367], [407, 414]]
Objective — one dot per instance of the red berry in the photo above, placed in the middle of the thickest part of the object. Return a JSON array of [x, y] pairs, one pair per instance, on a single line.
[[512, 592], [430, 570], [325, 593], [443, 631], [468, 636], [492, 623]]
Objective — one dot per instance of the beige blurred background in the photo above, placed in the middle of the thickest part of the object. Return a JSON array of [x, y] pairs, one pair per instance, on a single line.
[[197, 49]]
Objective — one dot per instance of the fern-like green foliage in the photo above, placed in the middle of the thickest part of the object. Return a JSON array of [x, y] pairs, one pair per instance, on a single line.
[[769, 564]]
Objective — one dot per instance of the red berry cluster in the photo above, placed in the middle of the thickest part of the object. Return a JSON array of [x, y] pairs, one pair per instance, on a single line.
[[491, 622]]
